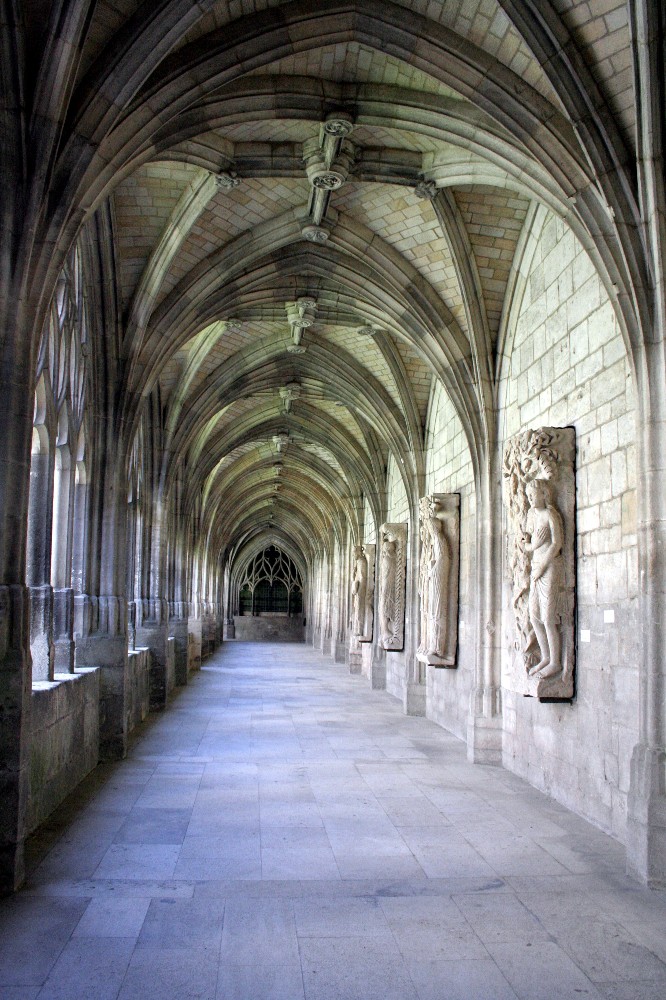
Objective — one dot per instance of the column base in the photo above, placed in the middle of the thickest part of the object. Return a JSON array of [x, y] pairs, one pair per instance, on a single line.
[[179, 632], [646, 820], [378, 670], [193, 644], [484, 740], [102, 642], [354, 662], [415, 699]]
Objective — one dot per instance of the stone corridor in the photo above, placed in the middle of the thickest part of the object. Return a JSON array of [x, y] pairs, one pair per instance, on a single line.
[[282, 832]]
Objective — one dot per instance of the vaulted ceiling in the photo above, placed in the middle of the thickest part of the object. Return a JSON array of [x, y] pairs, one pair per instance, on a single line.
[[319, 209]]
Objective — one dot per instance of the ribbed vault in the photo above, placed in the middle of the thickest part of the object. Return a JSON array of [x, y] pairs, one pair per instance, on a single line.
[[454, 140], [274, 271]]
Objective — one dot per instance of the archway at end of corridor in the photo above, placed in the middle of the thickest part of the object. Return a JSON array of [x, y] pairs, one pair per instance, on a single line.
[[266, 592]]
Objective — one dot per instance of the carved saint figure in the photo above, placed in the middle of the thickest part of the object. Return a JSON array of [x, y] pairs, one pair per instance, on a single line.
[[438, 578], [387, 608], [359, 590], [543, 542], [424, 576], [434, 572]]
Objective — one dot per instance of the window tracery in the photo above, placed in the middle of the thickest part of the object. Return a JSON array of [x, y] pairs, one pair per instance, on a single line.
[[271, 583]]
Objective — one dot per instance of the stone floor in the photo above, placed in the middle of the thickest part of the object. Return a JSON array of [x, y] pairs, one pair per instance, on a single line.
[[283, 832]]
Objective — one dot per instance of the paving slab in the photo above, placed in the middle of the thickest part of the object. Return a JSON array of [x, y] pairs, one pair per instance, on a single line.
[[283, 832]]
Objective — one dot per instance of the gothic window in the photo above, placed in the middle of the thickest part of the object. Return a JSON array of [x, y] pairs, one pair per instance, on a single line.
[[58, 480], [271, 584]]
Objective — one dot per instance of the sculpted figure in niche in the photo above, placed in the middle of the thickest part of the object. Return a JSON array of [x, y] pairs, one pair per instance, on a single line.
[[392, 569], [424, 577], [387, 609], [543, 543], [438, 578], [359, 590], [434, 573]]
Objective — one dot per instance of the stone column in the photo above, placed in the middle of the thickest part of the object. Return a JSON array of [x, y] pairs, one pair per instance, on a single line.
[[484, 724], [102, 641], [646, 827], [194, 637], [415, 688], [646, 820], [153, 631], [38, 567], [15, 689], [178, 629], [378, 670], [17, 394]]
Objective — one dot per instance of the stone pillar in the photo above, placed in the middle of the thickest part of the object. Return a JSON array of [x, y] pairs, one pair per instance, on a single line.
[[646, 827], [101, 630], [354, 659], [378, 673], [153, 631], [484, 724], [178, 629], [15, 690], [646, 820], [415, 687], [194, 634]]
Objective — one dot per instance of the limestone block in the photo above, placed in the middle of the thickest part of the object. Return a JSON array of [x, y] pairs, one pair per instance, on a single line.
[[539, 495], [439, 516], [392, 577]]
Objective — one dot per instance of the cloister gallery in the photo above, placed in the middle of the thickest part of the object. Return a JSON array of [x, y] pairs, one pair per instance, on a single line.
[[339, 323]]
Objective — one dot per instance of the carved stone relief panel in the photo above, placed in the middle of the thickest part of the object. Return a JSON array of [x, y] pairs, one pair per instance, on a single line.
[[392, 574], [369, 605], [439, 521], [540, 498], [359, 589]]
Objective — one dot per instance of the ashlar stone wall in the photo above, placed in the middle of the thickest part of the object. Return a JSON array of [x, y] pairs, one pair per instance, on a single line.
[[449, 470], [64, 739], [568, 366]]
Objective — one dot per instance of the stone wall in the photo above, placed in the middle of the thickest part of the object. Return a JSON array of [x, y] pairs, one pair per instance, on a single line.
[[64, 739], [259, 628], [568, 366], [449, 470]]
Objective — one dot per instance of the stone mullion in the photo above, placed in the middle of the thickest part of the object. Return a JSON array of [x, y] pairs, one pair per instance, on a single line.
[[40, 524], [63, 594]]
